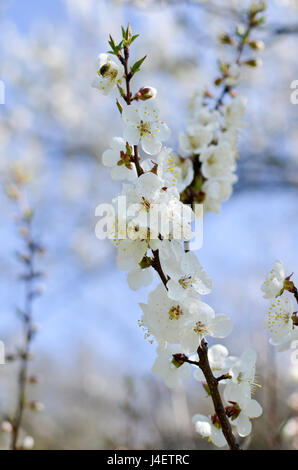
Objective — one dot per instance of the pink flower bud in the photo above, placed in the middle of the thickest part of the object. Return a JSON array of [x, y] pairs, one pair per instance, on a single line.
[[146, 93]]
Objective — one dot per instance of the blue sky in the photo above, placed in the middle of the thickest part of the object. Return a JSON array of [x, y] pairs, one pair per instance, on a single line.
[[24, 12]]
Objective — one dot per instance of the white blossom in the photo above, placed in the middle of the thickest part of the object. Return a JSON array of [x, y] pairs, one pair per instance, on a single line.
[[195, 139], [216, 191], [163, 317], [185, 272], [248, 409], [130, 253], [165, 368], [243, 375], [157, 210], [208, 426], [281, 320], [174, 170], [202, 322], [241, 412], [233, 75], [111, 158], [219, 360], [142, 125], [108, 74], [275, 281], [217, 161], [138, 278], [234, 112]]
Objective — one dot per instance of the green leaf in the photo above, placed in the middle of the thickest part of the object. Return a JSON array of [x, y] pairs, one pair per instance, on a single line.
[[137, 65], [119, 106], [134, 37]]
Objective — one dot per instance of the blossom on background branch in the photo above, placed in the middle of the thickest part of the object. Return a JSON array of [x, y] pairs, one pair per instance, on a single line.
[[30, 277], [282, 317], [210, 139]]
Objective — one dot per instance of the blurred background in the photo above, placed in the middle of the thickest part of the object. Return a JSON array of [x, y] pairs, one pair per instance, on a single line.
[[94, 363]]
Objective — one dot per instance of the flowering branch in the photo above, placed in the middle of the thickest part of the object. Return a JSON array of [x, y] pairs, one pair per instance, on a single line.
[[212, 383], [143, 94], [215, 395], [209, 141], [243, 36], [174, 315]]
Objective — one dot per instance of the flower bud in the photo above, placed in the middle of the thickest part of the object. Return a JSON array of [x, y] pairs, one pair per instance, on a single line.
[[146, 93], [257, 45], [253, 62], [6, 426], [226, 39], [233, 411], [178, 360], [146, 262], [215, 421], [33, 380], [257, 7], [35, 406], [28, 443]]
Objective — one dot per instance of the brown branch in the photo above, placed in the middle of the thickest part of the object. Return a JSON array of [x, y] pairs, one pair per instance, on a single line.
[[29, 278], [240, 49], [212, 383], [157, 266], [136, 160], [296, 294], [128, 99]]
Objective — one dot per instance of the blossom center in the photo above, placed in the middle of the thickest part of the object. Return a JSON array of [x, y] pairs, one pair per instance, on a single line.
[[107, 71], [144, 128], [175, 312], [200, 328], [277, 316], [186, 282]]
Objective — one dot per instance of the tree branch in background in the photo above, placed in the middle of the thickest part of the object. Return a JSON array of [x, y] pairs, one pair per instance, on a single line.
[[30, 277]]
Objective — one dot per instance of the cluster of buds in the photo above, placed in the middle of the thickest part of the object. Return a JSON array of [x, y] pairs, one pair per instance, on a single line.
[[230, 73]]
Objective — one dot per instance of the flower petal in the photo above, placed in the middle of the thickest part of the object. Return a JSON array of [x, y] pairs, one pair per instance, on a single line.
[[139, 278], [151, 145], [253, 409], [243, 425], [221, 326]]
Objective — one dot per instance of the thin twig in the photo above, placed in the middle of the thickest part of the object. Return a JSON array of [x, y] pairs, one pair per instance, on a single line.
[[29, 278]]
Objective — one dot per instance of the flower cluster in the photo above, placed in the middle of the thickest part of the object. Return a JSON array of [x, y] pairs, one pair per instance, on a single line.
[[154, 215], [211, 139], [212, 126], [240, 407], [281, 320]]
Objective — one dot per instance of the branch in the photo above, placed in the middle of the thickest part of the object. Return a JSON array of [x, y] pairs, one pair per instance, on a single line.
[[157, 266], [239, 50], [28, 334], [128, 99], [212, 383]]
